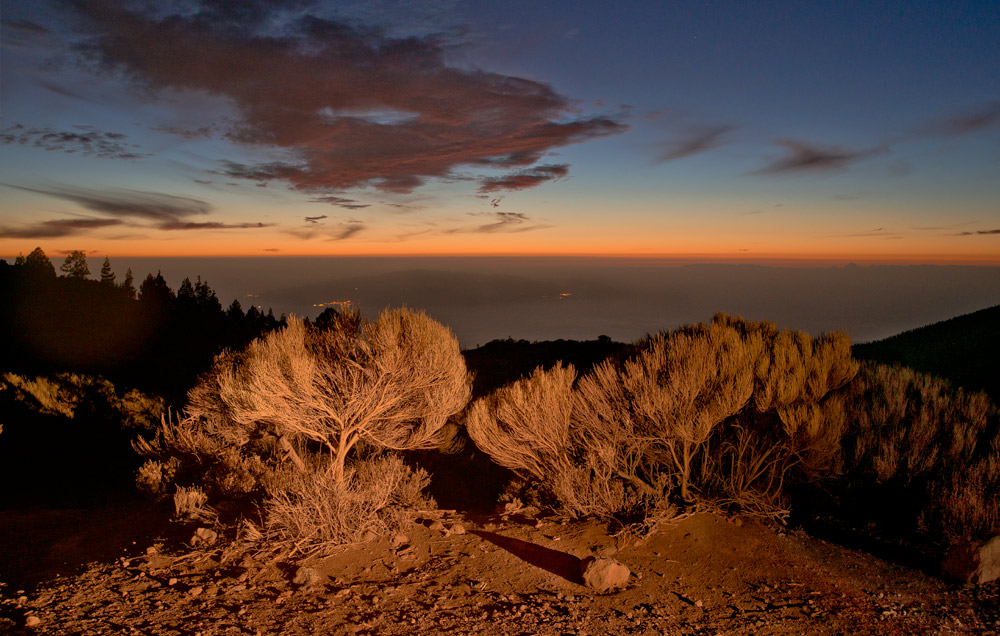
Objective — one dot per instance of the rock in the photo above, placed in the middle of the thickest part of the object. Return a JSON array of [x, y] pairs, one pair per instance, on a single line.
[[204, 537], [604, 575], [307, 576], [32, 621], [196, 590], [457, 528], [975, 563], [437, 526], [399, 541]]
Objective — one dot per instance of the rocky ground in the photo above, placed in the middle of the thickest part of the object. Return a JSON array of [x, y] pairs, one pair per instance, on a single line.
[[506, 574]]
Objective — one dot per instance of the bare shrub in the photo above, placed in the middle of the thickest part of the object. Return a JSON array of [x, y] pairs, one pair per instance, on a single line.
[[524, 426], [192, 504], [931, 448], [312, 511], [392, 383], [287, 419]]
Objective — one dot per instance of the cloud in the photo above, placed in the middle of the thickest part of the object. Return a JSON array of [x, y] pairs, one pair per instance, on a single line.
[[502, 222], [340, 202], [336, 232], [352, 106], [124, 203], [89, 141], [802, 157], [208, 225], [979, 233], [315, 219], [524, 178], [695, 141], [57, 228], [975, 119]]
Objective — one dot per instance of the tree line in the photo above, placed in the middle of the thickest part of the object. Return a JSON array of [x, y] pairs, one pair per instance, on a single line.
[[148, 337]]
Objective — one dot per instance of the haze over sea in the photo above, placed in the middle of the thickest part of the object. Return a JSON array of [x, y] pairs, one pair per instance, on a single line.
[[532, 298]]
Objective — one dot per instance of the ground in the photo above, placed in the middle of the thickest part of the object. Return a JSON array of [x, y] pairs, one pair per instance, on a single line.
[[511, 574]]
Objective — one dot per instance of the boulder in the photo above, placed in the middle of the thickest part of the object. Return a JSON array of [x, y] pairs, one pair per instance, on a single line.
[[975, 563], [604, 575]]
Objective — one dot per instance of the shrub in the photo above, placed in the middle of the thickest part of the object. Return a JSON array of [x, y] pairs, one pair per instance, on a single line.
[[921, 454], [305, 421], [726, 411], [317, 510]]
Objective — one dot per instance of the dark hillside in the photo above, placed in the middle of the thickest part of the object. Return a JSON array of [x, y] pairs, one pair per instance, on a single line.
[[963, 350], [500, 362]]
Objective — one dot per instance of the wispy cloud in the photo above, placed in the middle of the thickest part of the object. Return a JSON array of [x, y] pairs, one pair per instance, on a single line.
[[802, 157], [339, 231], [353, 106], [972, 120], [340, 202], [131, 208], [123, 203], [500, 222], [695, 141], [315, 219], [85, 140], [523, 179], [979, 233], [57, 228]]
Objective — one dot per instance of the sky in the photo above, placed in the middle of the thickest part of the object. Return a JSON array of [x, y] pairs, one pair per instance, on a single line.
[[762, 132]]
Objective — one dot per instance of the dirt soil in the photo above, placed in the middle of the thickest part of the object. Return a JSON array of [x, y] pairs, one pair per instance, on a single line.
[[504, 574]]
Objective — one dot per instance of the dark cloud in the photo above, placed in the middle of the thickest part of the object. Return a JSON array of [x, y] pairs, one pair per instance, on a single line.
[[979, 233], [340, 202], [24, 26], [695, 141], [57, 228], [524, 178], [979, 118], [208, 225], [353, 106], [122, 203], [501, 222], [315, 219], [89, 141], [802, 157]]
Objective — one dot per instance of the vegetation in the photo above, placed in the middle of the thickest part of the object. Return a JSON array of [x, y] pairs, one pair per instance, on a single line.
[[962, 350], [336, 402], [316, 426]]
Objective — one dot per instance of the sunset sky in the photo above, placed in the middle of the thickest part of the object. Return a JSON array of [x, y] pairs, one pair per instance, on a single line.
[[717, 130]]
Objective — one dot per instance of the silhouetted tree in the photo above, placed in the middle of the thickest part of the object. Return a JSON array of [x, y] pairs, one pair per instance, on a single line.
[[128, 285], [37, 265], [107, 276], [75, 265]]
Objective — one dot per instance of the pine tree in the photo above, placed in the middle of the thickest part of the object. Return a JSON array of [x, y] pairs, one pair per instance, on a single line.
[[75, 265], [128, 286], [107, 276]]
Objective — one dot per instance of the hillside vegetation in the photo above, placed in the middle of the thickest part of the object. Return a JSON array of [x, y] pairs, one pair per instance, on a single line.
[[305, 435], [963, 350]]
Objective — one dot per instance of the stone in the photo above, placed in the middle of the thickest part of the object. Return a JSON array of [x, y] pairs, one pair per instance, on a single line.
[[307, 576], [457, 528], [399, 541], [604, 575], [974, 563], [437, 526], [196, 590], [204, 537], [32, 621]]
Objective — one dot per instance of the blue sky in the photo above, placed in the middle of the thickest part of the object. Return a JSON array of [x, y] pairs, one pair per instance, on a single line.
[[843, 131]]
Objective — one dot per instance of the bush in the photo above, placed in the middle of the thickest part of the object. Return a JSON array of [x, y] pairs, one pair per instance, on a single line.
[[922, 455], [305, 421], [725, 411]]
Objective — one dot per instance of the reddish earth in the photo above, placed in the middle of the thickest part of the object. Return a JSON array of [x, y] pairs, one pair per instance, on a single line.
[[515, 574]]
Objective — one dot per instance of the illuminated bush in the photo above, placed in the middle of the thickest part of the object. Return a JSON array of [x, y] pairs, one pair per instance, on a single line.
[[288, 417]]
